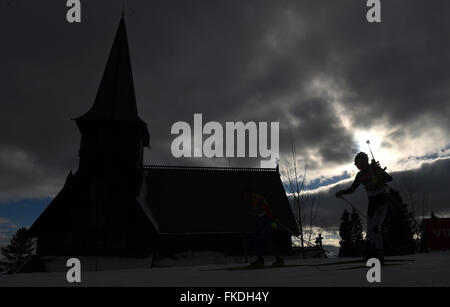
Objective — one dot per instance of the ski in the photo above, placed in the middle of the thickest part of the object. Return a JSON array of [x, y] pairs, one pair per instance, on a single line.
[[359, 267], [260, 267], [358, 261], [319, 265], [255, 267]]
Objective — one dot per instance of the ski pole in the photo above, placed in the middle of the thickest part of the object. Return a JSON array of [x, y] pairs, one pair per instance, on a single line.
[[286, 228], [351, 205]]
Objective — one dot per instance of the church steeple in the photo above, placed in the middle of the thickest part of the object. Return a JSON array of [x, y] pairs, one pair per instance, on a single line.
[[111, 131], [116, 99]]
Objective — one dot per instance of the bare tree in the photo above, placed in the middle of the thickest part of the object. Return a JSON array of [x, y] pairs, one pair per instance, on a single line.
[[294, 174], [314, 205]]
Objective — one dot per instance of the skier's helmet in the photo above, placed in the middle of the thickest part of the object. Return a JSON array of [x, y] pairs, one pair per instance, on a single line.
[[362, 157]]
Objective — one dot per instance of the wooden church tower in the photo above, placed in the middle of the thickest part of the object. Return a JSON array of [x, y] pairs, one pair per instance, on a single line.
[[96, 212], [112, 134]]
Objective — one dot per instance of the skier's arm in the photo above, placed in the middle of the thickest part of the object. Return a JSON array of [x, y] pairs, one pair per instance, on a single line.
[[352, 188], [273, 221], [268, 211]]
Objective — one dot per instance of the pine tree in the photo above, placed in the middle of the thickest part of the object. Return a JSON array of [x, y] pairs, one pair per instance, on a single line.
[[399, 233], [345, 231], [19, 248], [357, 234]]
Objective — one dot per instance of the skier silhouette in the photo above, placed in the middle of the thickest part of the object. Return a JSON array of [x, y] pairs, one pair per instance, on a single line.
[[265, 225], [373, 178]]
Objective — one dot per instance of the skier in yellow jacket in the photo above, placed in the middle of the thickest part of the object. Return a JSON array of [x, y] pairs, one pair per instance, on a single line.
[[265, 225]]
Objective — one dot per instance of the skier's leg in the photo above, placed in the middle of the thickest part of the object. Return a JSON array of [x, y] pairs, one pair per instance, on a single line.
[[274, 249], [369, 250], [370, 230], [270, 242], [258, 242], [267, 234], [380, 214], [377, 213]]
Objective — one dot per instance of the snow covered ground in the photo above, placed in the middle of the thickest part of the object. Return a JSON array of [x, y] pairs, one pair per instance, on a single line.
[[431, 269]]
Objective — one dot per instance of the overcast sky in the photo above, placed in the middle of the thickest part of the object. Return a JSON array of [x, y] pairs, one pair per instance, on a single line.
[[316, 66]]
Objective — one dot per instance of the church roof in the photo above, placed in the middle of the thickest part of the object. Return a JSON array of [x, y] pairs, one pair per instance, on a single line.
[[196, 200], [116, 99]]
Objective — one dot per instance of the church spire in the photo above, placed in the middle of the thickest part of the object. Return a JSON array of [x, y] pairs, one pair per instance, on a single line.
[[116, 99]]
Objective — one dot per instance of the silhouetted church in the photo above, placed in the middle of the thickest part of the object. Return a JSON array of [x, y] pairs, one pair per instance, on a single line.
[[114, 205]]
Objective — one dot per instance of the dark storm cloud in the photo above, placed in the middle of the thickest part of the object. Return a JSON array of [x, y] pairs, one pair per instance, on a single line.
[[397, 70], [320, 128], [230, 60], [21, 177]]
